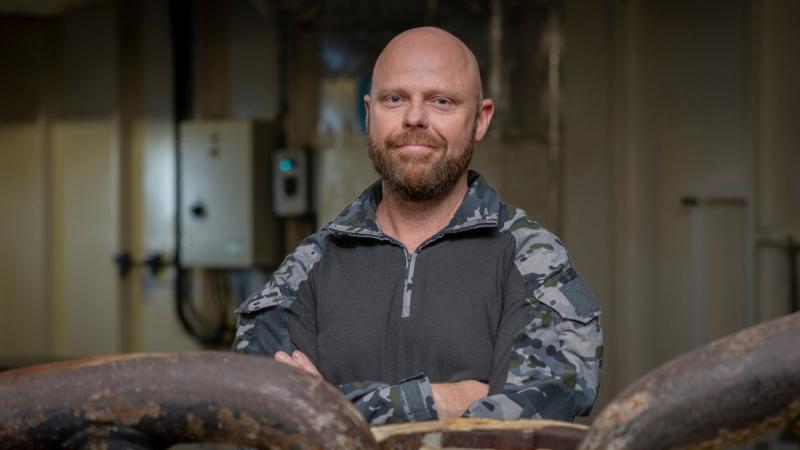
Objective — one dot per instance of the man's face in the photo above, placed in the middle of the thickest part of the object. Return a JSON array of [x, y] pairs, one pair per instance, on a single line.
[[423, 116]]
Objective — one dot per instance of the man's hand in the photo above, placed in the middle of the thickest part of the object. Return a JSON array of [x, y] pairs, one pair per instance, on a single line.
[[452, 399], [299, 360]]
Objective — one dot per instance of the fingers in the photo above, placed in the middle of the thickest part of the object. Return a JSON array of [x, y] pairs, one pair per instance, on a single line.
[[284, 358], [298, 360], [304, 363]]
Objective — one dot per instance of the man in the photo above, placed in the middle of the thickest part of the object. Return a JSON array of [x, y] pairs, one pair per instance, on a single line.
[[427, 297]]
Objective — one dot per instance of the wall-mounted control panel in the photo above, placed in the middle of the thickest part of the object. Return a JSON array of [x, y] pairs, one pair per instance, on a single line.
[[226, 214], [290, 182]]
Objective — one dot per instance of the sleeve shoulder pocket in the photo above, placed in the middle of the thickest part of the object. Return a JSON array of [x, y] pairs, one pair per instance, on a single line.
[[572, 300]]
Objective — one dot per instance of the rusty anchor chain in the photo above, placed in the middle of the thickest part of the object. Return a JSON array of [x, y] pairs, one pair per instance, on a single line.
[[153, 401], [719, 395], [716, 396]]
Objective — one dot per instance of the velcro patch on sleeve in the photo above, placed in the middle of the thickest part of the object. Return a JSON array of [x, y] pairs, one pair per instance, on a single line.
[[581, 297]]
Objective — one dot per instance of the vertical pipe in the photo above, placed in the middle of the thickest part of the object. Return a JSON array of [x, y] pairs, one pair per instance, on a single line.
[[751, 313], [794, 296], [52, 193], [553, 41], [698, 278], [181, 28]]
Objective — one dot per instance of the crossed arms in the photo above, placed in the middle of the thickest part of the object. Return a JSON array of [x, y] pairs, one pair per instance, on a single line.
[[551, 365], [451, 399]]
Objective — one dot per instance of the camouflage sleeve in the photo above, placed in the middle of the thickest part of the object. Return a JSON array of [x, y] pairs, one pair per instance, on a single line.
[[262, 319], [554, 366], [410, 400]]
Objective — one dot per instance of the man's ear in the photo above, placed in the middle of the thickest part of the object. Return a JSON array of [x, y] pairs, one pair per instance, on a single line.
[[366, 108], [483, 118]]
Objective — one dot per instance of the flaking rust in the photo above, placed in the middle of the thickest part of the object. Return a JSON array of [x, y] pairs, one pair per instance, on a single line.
[[158, 400], [722, 394], [719, 395]]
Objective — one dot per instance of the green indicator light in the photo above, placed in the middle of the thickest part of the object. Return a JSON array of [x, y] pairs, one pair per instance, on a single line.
[[286, 165]]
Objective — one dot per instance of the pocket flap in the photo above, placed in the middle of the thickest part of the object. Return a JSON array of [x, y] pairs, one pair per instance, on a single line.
[[265, 298], [573, 300]]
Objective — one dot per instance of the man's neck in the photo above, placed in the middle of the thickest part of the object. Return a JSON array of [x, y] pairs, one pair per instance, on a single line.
[[412, 222]]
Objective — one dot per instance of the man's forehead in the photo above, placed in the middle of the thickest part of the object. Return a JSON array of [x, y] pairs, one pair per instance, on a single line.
[[427, 50]]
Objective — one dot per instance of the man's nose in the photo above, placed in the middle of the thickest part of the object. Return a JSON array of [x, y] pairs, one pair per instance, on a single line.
[[416, 116]]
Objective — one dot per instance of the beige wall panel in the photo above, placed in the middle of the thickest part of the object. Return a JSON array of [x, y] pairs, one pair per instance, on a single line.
[[84, 190], [161, 331], [587, 202], [725, 243], [23, 208], [693, 92], [658, 106], [86, 287], [23, 274]]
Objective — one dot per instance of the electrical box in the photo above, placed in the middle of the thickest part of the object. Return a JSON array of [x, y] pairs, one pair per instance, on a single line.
[[290, 191], [226, 214]]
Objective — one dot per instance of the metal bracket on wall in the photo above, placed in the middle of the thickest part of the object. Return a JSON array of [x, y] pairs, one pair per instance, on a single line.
[[155, 262]]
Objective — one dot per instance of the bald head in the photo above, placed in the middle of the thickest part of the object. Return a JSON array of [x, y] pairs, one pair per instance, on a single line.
[[429, 48]]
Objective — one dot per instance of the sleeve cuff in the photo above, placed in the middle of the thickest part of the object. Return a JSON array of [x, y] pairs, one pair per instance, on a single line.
[[416, 395]]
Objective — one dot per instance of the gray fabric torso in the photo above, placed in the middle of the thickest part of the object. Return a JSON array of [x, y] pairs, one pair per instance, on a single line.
[[457, 291]]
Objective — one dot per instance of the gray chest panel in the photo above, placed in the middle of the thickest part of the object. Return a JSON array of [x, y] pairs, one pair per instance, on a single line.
[[456, 301]]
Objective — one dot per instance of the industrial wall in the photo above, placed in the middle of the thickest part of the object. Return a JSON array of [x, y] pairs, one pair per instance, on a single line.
[[88, 170], [669, 101], [674, 176]]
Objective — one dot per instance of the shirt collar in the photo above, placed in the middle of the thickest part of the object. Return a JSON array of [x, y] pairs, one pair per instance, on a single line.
[[479, 208]]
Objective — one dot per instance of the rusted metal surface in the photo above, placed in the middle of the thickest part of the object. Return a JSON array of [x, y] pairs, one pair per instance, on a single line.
[[717, 396], [157, 400], [480, 434], [724, 393]]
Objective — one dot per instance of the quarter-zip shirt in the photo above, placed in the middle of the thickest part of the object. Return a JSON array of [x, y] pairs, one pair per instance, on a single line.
[[490, 297]]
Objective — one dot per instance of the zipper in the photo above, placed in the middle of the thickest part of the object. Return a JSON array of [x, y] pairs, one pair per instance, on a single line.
[[411, 260]]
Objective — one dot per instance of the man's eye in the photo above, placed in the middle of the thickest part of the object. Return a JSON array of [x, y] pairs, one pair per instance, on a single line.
[[441, 101], [393, 99]]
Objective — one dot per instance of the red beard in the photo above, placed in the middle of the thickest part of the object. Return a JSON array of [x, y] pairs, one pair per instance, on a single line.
[[399, 170]]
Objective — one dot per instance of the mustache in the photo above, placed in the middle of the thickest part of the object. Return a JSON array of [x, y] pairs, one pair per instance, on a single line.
[[415, 136]]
